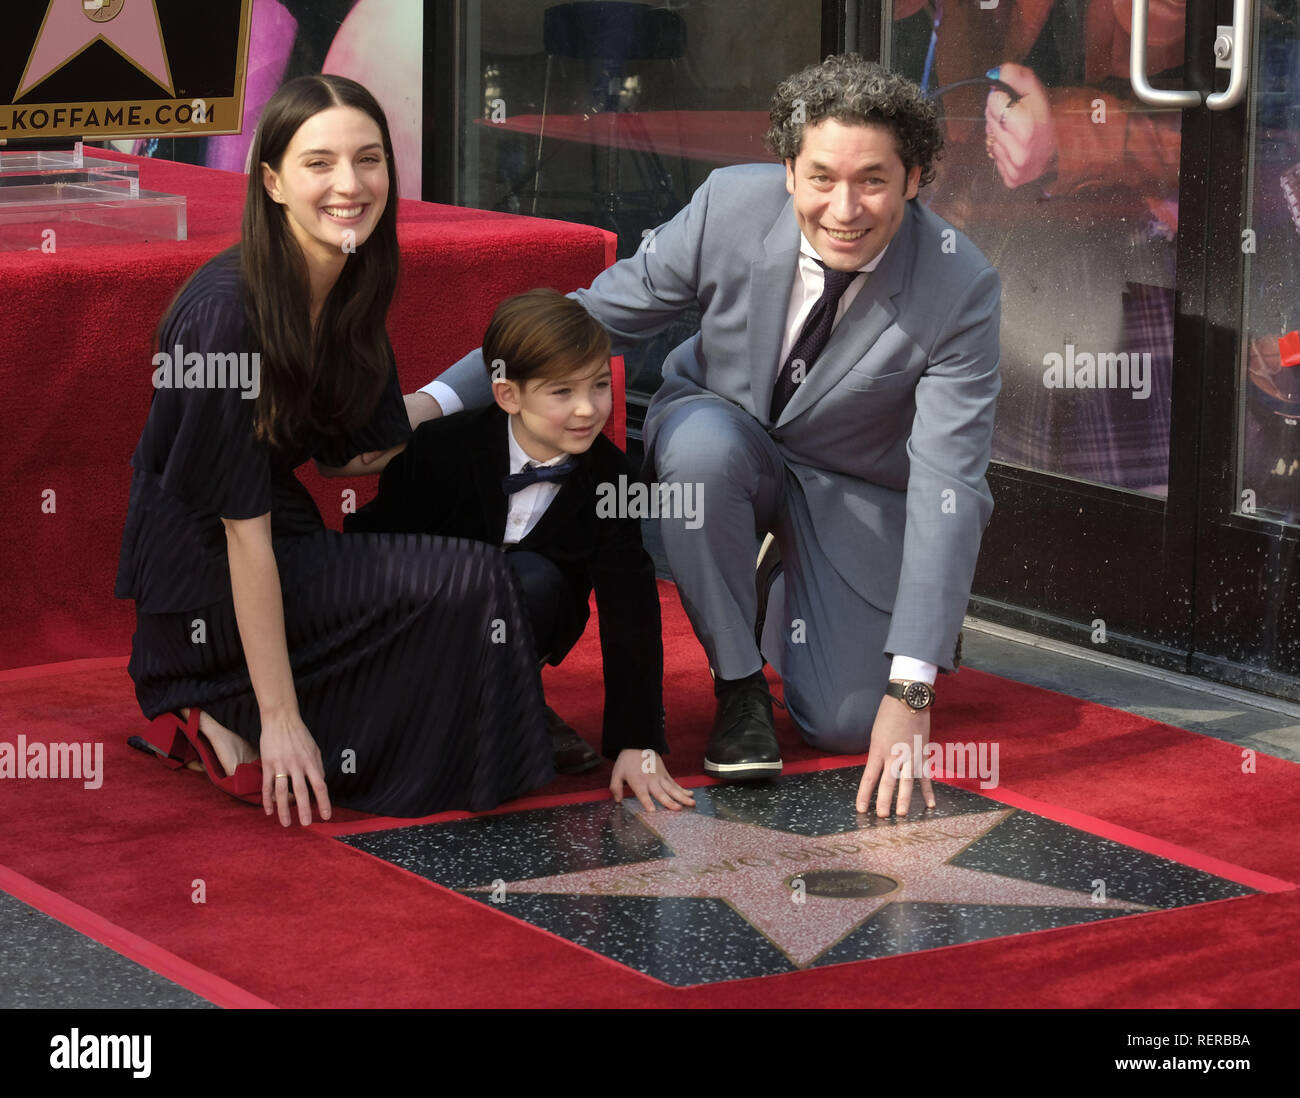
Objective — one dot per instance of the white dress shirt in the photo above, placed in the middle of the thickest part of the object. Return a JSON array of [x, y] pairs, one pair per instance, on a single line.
[[808, 289], [528, 506]]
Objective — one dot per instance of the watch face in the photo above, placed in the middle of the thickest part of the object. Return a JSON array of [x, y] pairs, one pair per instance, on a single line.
[[918, 695]]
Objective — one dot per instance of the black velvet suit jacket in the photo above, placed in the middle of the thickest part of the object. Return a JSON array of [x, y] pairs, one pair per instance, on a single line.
[[448, 481]]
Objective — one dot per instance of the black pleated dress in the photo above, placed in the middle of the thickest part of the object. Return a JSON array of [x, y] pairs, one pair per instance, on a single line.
[[411, 654]]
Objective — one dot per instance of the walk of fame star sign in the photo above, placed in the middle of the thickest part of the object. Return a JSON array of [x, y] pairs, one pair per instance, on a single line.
[[110, 68], [772, 878]]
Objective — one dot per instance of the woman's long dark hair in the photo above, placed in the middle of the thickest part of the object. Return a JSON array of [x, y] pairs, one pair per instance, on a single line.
[[330, 383]]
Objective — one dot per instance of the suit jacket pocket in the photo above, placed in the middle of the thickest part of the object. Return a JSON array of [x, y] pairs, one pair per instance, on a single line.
[[862, 380]]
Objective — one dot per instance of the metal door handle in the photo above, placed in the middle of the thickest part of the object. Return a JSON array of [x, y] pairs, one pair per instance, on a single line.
[[1137, 65], [1238, 58]]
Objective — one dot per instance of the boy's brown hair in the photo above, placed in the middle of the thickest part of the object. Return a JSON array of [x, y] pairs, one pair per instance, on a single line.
[[541, 334]]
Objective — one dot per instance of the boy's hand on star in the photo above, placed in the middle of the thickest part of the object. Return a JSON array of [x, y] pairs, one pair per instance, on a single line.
[[644, 773]]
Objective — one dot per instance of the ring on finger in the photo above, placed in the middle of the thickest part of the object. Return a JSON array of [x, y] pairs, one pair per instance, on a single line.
[[284, 776]]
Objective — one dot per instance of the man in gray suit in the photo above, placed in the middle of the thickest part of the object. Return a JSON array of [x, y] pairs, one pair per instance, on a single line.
[[839, 395]]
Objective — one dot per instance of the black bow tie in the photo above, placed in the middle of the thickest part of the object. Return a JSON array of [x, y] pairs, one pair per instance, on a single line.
[[517, 482]]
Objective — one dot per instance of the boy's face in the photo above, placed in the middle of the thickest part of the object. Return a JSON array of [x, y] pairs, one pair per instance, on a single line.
[[562, 415]]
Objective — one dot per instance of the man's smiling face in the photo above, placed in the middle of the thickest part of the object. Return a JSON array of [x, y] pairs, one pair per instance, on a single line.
[[850, 191]]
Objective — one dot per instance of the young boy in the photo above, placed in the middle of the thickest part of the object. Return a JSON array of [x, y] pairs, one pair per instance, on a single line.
[[524, 474]]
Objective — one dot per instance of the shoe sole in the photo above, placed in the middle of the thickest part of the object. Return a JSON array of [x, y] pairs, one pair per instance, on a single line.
[[740, 772]]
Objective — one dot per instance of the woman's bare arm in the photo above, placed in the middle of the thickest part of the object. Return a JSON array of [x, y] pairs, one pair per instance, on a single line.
[[287, 746], [370, 463]]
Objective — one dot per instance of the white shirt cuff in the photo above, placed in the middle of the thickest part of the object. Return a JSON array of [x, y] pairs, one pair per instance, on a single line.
[[446, 397], [904, 667]]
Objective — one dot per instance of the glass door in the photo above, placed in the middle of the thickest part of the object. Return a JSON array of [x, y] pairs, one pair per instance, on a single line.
[[1247, 591], [1093, 205], [1143, 209]]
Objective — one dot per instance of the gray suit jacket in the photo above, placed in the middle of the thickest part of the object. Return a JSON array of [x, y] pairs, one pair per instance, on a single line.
[[889, 435]]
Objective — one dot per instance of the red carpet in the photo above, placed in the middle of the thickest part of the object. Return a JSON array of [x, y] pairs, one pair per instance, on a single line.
[[75, 369], [121, 863]]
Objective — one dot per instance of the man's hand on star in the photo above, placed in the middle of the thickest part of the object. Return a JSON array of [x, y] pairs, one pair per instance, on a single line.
[[890, 763], [645, 773]]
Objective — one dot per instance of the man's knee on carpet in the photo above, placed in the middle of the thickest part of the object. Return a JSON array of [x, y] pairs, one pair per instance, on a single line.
[[839, 726]]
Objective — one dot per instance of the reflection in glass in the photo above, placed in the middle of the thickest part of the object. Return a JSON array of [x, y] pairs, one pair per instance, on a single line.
[[1070, 188], [1269, 411], [612, 114]]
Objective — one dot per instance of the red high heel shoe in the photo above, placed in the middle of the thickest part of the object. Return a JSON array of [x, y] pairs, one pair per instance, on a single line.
[[188, 743]]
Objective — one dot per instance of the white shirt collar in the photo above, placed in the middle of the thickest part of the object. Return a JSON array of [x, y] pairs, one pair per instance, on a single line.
[[808, 252], [518, 459]]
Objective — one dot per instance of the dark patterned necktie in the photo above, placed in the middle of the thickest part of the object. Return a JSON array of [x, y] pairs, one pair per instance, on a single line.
[[531, 474], [816, 331]]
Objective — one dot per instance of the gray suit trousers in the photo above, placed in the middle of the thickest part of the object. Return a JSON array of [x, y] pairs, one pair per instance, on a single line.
[[826, 642]]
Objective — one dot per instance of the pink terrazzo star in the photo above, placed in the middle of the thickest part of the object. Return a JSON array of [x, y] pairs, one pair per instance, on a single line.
[[71, 25], [755, 871]]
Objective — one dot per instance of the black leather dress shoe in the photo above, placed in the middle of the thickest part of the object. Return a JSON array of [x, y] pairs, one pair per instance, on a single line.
[[742, 746], [573, 755]]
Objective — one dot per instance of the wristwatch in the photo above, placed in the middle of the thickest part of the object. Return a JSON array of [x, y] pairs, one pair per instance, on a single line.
[[914, 694]]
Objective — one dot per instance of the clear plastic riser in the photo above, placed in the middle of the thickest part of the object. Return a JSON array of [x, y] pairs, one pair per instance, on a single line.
[[50, 199]]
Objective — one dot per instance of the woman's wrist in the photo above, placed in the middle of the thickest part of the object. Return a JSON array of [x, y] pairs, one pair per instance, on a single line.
[[279, 712]]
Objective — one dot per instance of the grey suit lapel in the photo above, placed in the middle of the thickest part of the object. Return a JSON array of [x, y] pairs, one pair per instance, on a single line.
[[872, 311], [770, 282]]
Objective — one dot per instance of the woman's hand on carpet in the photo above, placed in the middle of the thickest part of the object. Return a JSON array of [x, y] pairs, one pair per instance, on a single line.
[[291, 765], [645, 774], [894, 739]]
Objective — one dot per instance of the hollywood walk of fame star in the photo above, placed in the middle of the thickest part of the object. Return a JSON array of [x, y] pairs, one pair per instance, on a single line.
[[847, 877], [71, 26]]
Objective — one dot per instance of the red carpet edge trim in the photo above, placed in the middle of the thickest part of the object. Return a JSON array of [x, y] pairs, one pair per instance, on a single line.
[[143, 952], [1261, 882]]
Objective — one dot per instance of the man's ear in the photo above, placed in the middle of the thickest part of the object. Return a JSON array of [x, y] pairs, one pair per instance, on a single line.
[[913, 184], [789, 175], [507, 395], [271, 182]]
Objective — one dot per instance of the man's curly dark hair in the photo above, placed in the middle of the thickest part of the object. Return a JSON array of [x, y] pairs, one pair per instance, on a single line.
[[853, 91]]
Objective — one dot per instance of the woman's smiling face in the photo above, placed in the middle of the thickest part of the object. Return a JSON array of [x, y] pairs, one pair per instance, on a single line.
[[332, 182]]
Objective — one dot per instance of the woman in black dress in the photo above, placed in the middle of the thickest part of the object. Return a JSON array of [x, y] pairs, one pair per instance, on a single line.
[[389, 673]]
